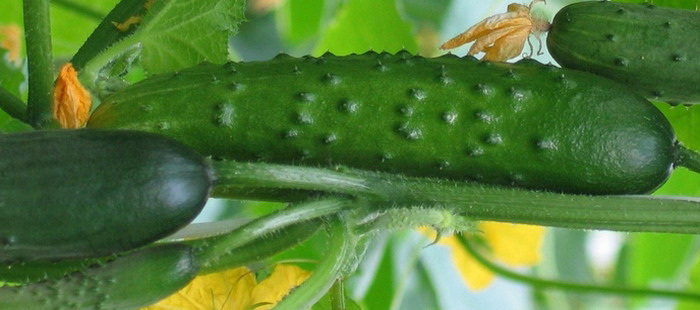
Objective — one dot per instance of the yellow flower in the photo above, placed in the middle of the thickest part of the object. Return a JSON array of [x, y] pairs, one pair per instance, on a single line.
[[511, 244], [501, 36], [235, 289]]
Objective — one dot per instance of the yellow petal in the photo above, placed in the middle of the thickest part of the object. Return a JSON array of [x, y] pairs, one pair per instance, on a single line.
[[474, 275], [282, 280], [228, 290], [71, 101], [514, 244]]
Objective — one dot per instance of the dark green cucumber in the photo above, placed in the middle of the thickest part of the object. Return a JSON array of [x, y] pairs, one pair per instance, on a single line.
[[90, 193], [653, 50], [526, 124], [128, 282]]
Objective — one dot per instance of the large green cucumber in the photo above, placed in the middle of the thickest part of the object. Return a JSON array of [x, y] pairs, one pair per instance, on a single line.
[[128, 282], [90, 193], [524, 124], [653, 50]]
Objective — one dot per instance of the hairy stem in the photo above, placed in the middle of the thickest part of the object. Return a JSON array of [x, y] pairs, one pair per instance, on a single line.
[[477, 201], [37, 30], [688, 158]]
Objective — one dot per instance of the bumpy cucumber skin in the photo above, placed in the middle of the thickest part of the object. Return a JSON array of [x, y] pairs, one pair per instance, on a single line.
[[90, 193], [653, 50], [527, 124], [129, 282]]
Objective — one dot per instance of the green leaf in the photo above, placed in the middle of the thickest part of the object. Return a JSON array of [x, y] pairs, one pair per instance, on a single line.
[[300, 20], [693, 286], [182, 33], [361, 25], [657, 258]]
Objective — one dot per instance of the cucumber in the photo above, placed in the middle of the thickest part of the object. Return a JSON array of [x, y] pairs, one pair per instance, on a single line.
[[526, 124], [91, 193], [652, 50], [128, 282]]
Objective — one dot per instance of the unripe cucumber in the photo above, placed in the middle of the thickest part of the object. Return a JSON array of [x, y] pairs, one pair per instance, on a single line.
[[524, 124], [129, 282], [90, 193], [653, 50]]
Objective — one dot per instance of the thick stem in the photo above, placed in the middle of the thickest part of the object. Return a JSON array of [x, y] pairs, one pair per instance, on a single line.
[[264, 226], [569, 286], [13, 105], [477, 201], [688, 158], [39, 62]]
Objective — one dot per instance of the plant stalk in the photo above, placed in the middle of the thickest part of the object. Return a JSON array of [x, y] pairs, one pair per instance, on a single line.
[[37, 31]]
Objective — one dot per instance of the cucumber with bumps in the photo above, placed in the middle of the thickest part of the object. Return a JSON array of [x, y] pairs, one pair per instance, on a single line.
[[90, 193], [526, 124], [653, 50], [128, 282]]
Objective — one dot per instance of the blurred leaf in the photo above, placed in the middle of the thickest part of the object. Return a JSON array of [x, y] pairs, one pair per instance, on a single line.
[[686, 123], [361, 25], [421, 12], [657, 258], [182, 33], [692, 286], [300, 20]]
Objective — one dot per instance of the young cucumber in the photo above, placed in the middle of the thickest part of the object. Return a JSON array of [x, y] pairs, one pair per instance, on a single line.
[[526, 124], [128, 282], [90, 193], [650, 49]]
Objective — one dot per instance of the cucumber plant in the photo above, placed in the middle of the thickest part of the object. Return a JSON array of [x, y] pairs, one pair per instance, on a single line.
[[651, 49], [526, 124], [357, 144]]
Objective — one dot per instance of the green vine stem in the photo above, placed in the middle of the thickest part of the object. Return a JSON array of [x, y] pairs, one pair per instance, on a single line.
[[13, 105], [569, 286], [259, 228], [37, 31], [477, 201], [340, 255], [688, 158]]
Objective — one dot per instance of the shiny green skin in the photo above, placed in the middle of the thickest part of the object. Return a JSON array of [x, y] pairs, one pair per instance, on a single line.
[[128, 282], [91, 193], [525, 124], [653, 50]]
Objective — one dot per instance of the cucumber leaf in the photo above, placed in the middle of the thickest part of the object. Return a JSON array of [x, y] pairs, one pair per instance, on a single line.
[[181, 33]]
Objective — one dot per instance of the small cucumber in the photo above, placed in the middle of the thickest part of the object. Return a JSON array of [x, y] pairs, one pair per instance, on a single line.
[[91, 193], [653, 50], [128, 282], [526, 124]]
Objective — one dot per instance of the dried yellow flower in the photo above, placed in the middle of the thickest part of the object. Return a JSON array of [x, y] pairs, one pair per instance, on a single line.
[[132, 20], [71, 101], [502, 36]]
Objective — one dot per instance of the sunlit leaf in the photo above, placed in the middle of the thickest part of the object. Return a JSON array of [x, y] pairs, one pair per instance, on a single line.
[[180, 33], [363, 25]]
